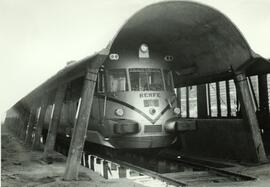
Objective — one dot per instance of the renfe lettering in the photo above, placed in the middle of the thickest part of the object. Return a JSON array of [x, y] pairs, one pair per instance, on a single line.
[[144, 95]]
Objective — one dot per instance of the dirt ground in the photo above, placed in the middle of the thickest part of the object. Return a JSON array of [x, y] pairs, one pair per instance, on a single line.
[[22, 167]]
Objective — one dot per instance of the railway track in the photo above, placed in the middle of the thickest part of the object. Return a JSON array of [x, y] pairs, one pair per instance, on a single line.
[[172, 169], [176, 171]]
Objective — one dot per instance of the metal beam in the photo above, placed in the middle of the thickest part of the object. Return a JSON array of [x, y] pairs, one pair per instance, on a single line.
[[249, 115]]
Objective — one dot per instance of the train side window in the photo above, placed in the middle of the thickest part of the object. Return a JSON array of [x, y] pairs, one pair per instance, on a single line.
[[117, 80]]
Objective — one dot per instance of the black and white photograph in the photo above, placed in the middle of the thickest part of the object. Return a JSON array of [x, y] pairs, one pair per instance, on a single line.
[[139, 93]]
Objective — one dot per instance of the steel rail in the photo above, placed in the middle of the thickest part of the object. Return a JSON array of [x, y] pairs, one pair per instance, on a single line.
[[215, 170]]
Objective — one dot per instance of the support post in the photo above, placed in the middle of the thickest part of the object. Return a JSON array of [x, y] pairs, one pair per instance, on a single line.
[[202, 101], [51, 136], [263, 114], [178, 97], [187, 101], [105, 169], [218, 99], [263, 95], [20, 112], [92, 162], [209, 100], [40, 122], [122, 172], [26, 118], [30, 128], [249, 115], [21, 123], [80, 128], [228, 99]]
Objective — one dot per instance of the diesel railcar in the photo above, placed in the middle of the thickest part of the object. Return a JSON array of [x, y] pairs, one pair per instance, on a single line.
[[134, 105]]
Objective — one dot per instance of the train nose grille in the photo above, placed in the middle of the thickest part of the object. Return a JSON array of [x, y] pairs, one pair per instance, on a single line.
[[152, 128]]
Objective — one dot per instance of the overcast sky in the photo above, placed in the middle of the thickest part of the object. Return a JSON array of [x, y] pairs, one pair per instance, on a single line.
[[38, 37]]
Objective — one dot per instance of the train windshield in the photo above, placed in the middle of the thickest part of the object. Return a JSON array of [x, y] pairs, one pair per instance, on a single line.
[[117, 80], [146, 79]]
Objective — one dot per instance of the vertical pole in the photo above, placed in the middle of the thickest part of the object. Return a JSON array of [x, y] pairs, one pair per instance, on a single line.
[[26, 118], [178, 96], [17, 124], [51, 136], [86, 160], [80, 128], [263, 115], [92, 162], [209, 100], [187, 101], [249, 115], [40, 122], [162, 166], [21, 123], [20, 111], [122, 172], [228, 97], [105, 169], [202, 101], [263, 94], [31, 122], [218, 99]]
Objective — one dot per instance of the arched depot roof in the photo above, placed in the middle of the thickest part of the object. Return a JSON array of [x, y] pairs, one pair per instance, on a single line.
[[205, 44]]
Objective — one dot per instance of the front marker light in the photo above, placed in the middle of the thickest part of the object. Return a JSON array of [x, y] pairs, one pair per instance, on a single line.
[[144, 51], [176, 110], [119, 112]]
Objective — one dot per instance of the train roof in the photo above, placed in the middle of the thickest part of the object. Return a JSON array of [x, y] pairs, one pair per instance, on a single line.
[[205, 44], [70, 72]]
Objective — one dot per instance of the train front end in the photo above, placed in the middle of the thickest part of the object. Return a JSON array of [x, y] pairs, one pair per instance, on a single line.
[[139, 103]]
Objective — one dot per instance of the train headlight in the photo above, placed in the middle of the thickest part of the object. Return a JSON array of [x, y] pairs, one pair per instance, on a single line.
[[144, 48], [176, 110], [119, 112], [152, 111], [144, 51]]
